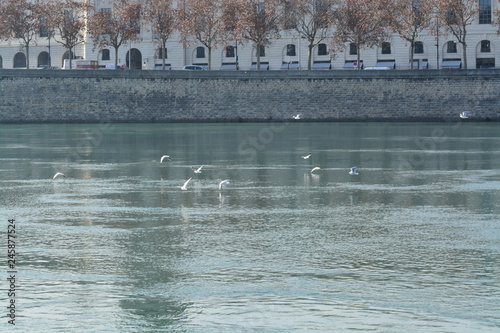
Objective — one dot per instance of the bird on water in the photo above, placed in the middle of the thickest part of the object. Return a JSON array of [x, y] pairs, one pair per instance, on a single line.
[[59, 174], [184, 187], [165, 157]]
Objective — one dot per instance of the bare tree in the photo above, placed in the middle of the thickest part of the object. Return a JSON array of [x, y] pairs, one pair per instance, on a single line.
[[310, 18], [162, 17], [360, 22], [457, 15], [4, 31], [258, 22], [22, 20], [202, 21], [409, 18], [117, 27], [68, 19], [496, 20]]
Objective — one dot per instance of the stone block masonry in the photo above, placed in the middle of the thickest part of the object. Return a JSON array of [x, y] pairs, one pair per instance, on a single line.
[[89, 96]]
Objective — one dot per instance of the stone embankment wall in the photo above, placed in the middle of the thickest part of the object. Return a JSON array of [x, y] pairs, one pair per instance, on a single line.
[[51, 96]]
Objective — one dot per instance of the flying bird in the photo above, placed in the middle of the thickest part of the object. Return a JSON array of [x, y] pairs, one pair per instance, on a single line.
[[183, 187], [222, 183], [197, 170], [306, 156], [165, 157], [315, 168], [297, 117], [464, 115], [59, 174], [353, 171]]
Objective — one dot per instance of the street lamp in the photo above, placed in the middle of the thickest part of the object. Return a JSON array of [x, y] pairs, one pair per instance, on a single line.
[[437, 42], [50, 59]]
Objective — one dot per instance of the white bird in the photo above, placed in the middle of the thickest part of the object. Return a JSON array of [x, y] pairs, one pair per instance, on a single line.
[[184, 188], [315, 168], [296, 117], [226, 181], [165, 157], [197, 170], [353, 171], [59, 174], [306, 157], [464, 115]]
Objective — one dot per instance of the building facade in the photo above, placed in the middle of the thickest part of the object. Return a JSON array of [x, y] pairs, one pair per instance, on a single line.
[[433, 50]]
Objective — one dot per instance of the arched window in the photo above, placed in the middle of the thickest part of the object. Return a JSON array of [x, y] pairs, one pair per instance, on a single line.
[[20, 60], [161, 53], [485, 46], [418, 48], [68, 55], [133, 59], [353, 49], [230, 51], [386, 48], [200, 52], [43, 59], [451, 47], [322, 50], [105, 55], [290, 50], [262, 51]]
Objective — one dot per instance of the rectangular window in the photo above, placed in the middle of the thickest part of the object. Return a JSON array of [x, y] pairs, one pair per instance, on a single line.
[[485, 46], [44, 32], [161, 53], [322, 49], [321, 13], [451, 47], [229, 51], [484, 11], [353, 50], [290, 50], [200, 52], [262, 51], [290, 19], [105, 54], [106, 11], [485, 63], [386, 48], [419, 48]]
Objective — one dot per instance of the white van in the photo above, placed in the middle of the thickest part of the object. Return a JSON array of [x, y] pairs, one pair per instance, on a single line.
[[112, 66]]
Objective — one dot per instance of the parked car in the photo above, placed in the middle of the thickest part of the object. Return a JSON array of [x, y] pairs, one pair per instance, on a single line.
[[194, 68], [112, 66]]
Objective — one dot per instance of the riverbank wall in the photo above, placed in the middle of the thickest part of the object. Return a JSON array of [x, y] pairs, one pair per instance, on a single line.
[[135, 96]]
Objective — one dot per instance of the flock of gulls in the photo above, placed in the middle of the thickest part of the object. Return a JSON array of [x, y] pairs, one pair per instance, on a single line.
[[197, 170], [352, 172]]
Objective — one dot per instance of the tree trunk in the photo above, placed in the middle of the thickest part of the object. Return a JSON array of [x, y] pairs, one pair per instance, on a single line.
[[163, 53], [309, 55], [464, 53], [412, 47], [209, 58], [257, 53], [358, 57], [116, 58], [70, 59], [27, 55]]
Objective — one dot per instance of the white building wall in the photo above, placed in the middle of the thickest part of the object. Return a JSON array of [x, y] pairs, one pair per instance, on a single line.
[[179, 54]]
